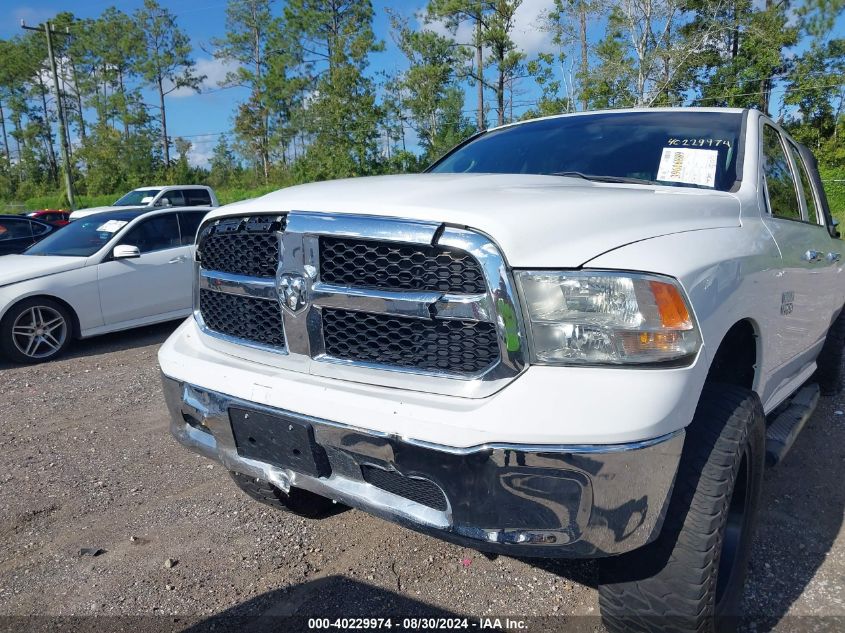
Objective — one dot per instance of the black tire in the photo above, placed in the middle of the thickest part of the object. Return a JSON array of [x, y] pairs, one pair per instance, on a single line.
[[829, 363], [23, 318], [691, 578], [301, 502]]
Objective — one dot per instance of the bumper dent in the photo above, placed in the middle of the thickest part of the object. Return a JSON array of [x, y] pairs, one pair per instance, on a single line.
[[549, 501]]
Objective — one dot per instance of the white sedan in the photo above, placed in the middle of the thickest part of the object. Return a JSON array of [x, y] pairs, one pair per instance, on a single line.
[[112, 271]]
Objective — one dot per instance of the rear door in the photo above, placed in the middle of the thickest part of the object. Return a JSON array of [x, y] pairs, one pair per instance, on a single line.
[[801, 243], [156, 283]]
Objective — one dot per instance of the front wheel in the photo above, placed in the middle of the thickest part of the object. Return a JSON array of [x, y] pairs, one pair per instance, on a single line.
[[35, 330], [691, 578]]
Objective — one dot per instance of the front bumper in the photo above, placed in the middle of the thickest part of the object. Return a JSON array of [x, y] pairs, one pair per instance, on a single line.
[[546, 500]]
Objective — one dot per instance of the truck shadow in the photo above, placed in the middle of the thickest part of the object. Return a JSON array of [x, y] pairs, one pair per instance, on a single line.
[[290, 608], [801, 517], [114, 342]]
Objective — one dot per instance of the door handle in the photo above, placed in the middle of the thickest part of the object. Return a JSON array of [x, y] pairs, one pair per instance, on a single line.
[[177, 260], [834, 257], [813, 256]]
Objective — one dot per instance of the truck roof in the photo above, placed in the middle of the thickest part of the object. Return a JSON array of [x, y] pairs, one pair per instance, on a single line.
[[621, 111]]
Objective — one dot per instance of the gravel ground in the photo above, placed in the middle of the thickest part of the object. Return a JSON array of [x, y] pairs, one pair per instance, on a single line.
[[86, 461]]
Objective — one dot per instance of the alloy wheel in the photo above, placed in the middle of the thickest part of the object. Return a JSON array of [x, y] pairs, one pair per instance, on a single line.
[[39, 332]]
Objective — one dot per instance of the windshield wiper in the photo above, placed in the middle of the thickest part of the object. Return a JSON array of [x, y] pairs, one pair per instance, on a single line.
[[600, 178]]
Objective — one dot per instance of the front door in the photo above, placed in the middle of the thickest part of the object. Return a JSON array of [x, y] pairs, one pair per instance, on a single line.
[[158, 282]]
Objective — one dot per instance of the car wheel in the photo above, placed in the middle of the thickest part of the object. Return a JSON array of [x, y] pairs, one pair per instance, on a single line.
[[301, 502], [35, 330], [829, 363], [691, 578]]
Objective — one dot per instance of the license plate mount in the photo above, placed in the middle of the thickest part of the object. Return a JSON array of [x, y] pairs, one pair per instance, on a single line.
[[280, 440]]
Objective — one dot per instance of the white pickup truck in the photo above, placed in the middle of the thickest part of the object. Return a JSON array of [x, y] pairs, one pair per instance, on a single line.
[[156, 197], [579, 336]]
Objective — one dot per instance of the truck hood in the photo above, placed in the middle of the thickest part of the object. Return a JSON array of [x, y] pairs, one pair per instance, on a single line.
[[538, 221], [17, 268]]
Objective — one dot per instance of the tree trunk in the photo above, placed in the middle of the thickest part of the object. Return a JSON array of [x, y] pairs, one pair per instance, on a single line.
[[585, 61], [165, 145], [479, 66], [81, 119], [500, 94], [47, 133], [5, 138]]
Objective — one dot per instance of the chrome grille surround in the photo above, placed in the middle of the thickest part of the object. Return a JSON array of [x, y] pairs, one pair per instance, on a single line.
[[305, 349]]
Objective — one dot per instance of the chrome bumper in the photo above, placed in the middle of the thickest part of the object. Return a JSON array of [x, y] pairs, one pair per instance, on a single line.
[[547, 501]]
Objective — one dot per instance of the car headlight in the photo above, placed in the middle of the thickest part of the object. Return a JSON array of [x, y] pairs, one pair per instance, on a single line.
[[607, 318]]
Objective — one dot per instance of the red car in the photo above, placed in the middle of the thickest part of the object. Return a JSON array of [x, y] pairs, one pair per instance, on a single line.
[[56, 217]]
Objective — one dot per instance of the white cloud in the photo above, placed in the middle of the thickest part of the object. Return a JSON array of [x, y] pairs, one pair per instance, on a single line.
[[202, 149], [526, 34], [215, 71]]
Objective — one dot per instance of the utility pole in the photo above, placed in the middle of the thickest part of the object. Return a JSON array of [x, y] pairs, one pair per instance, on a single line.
[[63, 138]]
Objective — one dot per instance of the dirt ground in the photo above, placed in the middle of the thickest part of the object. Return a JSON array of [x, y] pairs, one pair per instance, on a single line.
[[86, 461]]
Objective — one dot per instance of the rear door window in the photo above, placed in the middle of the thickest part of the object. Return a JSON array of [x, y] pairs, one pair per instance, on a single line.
[[780, 183], [189, 222], [154, 234], [197, 198], [14, 229], [808, 194]]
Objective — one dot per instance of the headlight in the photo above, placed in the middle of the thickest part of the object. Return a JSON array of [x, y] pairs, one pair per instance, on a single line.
[[607, 318]]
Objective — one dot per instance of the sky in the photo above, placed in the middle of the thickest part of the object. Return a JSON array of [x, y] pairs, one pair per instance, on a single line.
[[202, 117]]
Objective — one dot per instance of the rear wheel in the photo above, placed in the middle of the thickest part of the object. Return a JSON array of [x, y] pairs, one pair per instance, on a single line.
[[691, 578], [298, 501], [35, 330]]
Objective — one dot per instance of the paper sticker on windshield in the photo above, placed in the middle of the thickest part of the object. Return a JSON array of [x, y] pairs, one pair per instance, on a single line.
[[112, 226], [147, 199], [687, 165]]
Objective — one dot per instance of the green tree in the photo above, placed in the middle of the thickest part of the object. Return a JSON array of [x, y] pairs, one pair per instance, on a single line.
[[428, 90], [337, 110], [165, 62], [224, 165], [475, 13], [251, 28]]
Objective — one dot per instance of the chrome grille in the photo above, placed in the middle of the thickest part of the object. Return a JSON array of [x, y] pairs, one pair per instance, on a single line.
[[242, 246], [257, 320], [371, 264], [435, 345], [362, 298]]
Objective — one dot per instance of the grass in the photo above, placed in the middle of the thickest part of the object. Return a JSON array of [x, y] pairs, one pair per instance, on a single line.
[[55, 201], [834, 183]]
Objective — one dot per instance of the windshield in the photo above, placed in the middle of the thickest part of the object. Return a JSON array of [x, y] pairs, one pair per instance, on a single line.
[[137, 198], [81, 238], [684, 149]]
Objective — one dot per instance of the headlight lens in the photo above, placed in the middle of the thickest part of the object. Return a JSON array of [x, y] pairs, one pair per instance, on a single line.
[[601, 318]]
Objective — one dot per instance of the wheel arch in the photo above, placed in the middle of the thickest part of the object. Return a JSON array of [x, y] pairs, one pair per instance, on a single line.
[[737, 360], [77, 331]]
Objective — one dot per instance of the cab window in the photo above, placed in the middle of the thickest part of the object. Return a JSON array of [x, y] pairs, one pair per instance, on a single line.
[[155, 234], [813, 214], [780, 184]]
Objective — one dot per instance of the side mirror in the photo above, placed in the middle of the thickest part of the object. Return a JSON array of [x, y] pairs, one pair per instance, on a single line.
[[126, 251]]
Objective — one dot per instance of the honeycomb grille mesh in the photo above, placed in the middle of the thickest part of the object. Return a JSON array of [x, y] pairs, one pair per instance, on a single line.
[[247, 318], [383, 265], [438, 345], [422, 491], [242, 246]]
